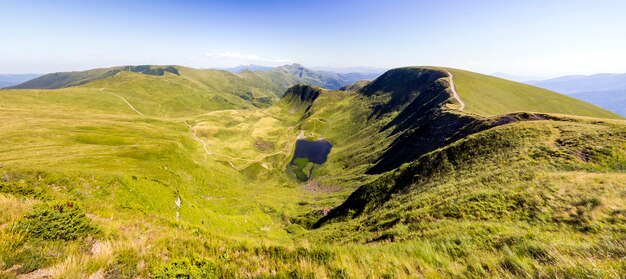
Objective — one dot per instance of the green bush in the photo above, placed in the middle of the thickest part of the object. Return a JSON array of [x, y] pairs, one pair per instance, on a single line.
[[189, 268], [65, 221]]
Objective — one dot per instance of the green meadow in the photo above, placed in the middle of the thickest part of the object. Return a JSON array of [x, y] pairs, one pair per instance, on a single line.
[[188, 175]]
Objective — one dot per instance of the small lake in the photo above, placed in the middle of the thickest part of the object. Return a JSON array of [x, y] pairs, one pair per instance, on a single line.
[[316, 151]]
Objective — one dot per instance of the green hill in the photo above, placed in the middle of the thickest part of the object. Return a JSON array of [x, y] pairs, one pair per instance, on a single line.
[[487, 95], [413, 112], [130, 93], [289, 75], [150, 90], [66, 79], [537, 199], [177, 172]]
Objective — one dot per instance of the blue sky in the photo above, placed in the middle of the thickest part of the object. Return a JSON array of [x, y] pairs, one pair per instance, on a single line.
[[537, 38]]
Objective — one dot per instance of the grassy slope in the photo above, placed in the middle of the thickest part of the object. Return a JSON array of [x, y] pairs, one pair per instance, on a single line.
[[59, 80], [289, 75], [154, 160], [254, 89], [340, 117], [240, 211], [249, 86], [453, 237], [487, 95], [168, 95], [260, 88], [539, 199], [127, 170]]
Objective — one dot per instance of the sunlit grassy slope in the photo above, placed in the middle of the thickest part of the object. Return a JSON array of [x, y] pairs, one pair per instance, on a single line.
[[211, 88], [182, 175], [487, 95], [126, 170], [537, 199], [128, 93]]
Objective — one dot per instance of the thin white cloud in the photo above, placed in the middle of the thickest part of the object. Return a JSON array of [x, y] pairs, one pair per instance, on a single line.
[[247, 57]]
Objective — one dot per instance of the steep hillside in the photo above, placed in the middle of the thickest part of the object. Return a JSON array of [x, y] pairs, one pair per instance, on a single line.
[[478, 156], [459, 185], [537, 199], [356, 86], [405, 113], [301, 98], [487, 95]]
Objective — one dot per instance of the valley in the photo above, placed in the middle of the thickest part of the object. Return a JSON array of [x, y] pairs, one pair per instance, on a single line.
[[165, 171]]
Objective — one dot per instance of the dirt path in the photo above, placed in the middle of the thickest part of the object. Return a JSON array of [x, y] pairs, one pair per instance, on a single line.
[[259, 159], [123, 99], [455, 95], [195, 136], [248, 162]]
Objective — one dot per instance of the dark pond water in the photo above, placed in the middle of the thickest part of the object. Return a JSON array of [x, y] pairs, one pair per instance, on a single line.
[[316, 151]]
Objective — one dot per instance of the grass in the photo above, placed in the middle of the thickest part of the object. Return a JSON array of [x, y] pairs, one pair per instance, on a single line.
[[486, 95], [482, 219], [535, 199], [127, 170]]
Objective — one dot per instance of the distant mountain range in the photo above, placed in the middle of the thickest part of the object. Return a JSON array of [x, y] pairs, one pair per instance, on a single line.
[[605, 90], [344, 70], [241, 68], [7, 80], [284, 76], [298, 74], [339, 70]]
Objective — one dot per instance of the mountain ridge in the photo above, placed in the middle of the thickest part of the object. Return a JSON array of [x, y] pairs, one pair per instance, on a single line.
[[284, 76]]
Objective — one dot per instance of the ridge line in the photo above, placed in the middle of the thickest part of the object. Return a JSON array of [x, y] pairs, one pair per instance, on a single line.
[[455, 95]]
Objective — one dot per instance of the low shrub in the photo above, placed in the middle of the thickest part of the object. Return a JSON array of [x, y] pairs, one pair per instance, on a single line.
[[65, 221], [188, 268]]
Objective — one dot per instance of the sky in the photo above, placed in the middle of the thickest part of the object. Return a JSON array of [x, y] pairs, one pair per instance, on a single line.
[[530, 38]]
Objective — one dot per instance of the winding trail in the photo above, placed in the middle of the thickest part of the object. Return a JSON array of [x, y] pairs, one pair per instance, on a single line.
[[258, 160], [249, 161], [455, 95], [123, 99], [195, 136]]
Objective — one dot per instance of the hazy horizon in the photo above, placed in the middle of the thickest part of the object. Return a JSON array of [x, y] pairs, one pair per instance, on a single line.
[[531, 38]]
